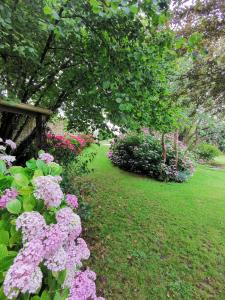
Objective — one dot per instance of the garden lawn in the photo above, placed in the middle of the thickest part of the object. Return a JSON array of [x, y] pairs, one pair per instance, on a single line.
[[153, 240]]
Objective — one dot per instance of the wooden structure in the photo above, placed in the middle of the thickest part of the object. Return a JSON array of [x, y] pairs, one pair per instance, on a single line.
[[40, 114]]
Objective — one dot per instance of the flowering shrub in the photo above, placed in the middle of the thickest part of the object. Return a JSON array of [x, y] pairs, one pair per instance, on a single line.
[[66, 148], [41, 251], [143, 154]]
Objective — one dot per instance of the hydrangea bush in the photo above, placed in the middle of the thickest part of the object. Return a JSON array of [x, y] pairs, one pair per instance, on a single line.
[[142, 154], [41, 251]]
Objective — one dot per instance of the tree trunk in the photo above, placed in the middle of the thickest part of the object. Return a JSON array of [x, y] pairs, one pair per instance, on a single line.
[[163, 148], [176, 137]]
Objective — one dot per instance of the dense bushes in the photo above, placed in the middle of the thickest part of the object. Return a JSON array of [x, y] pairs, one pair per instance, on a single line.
[[207, 151], [143, 154], [65, 148], [41, 251]]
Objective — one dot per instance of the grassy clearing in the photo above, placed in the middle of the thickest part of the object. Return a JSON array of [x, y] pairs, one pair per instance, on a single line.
[[153, 240]]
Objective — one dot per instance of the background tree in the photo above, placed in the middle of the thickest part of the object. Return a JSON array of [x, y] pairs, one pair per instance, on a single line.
[[92, 58], [199, 86]]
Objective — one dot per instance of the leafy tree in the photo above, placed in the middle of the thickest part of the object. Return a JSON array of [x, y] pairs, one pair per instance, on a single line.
[[92, 58], [199, 84]]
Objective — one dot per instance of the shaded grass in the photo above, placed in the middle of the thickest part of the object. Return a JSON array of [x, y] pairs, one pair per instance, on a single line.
[[153, 240]]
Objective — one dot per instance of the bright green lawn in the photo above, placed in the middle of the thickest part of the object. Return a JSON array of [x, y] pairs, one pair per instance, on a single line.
[[153, 240]]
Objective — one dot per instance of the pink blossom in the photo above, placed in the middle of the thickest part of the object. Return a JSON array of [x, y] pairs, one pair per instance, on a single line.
[[72, 200], [33, 225], [9, 159], [46, 157], [83, 287], [47, 188], [11, 144], [22, 277], [9, 194]]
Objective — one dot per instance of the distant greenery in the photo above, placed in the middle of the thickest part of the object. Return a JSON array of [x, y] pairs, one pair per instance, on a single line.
[[143, 154], [207, 151], [154, 240]]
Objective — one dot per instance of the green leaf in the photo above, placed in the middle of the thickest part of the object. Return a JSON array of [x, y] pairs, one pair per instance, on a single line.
[[3, 251], [134, 9], [20, 179], [35, 298], [31, 164], [3, 168], [29, 202], [2, 295], [4, 237], [65, 294], [61, 277], [47, 10], [57, 296], [6, 262], [45, 296], [118, 100], [14, 206], [42, 166], [37, 173], [55, 169], [5, 182]]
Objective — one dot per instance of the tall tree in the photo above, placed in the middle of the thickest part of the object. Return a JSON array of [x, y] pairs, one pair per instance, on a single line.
[[92, 58], [199, 86]]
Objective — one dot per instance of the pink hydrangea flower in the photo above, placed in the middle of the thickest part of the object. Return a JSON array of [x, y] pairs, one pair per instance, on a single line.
[[53, 240], [22, 277], [9, 159], [69, 222], [9, 194], [83, 287], [57, 262], [110, 154], [72, 200], [11, 144], [47, 188], [32, 224], [46, 157]]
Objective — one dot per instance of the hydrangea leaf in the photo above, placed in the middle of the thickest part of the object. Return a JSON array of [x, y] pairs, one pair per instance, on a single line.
[[14, 206], [4, 237], [45, 296], [3, 251], [2, 166]]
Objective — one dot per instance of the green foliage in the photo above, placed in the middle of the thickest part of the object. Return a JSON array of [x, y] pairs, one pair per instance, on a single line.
[[100, 59], [143, 155], [207, 151], [22, 179]]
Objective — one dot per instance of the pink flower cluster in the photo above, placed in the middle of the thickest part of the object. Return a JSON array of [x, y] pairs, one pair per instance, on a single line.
[[11, 144], [83, 286], [60, 141], [9, 194], [46, 157], [47, 188], [110, 154], [56, 245], [72, 200], [70, 141], [9, 159]]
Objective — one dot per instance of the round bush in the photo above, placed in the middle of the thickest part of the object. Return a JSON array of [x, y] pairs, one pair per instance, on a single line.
[[207, 151], [142, 154]]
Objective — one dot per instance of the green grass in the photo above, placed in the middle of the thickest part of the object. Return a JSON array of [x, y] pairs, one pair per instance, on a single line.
[[153, 240]]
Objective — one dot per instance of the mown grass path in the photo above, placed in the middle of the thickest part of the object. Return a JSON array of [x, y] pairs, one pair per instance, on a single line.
[[156, 241]]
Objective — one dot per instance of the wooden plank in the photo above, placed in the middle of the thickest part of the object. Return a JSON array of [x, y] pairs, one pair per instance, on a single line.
[[21, 108]]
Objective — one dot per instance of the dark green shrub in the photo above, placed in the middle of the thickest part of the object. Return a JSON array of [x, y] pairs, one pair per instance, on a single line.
[[207, 151], [142, 154]]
